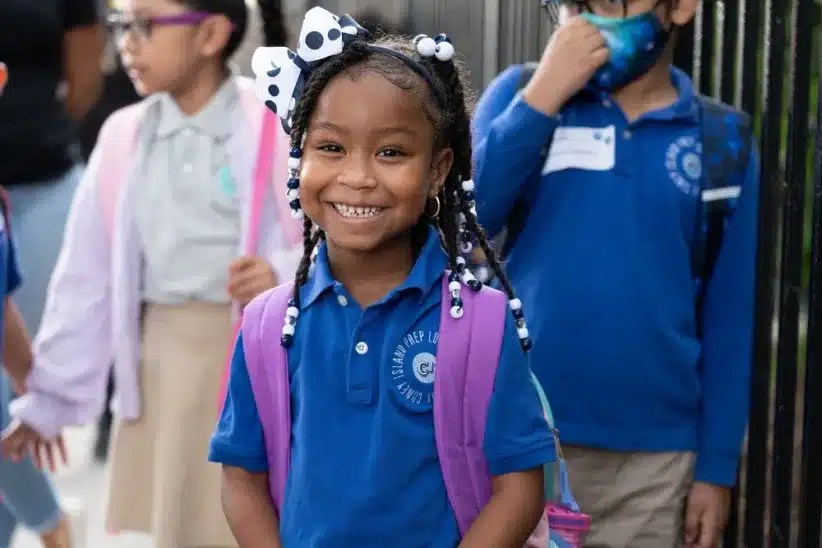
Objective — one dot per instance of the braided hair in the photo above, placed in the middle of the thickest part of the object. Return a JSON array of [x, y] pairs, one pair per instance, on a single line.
[[449, 112]]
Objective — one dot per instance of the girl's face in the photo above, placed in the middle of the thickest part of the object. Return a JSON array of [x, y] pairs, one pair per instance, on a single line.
[[160, 54], [369, 162]]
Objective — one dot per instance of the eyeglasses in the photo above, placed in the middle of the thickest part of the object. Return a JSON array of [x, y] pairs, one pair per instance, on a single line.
[[120, 25]]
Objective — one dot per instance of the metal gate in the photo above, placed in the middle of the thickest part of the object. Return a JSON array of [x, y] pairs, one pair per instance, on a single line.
[[764, 56]]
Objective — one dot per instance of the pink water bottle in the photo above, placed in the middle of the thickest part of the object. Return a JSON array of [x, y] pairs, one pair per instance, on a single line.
[[568, 524]]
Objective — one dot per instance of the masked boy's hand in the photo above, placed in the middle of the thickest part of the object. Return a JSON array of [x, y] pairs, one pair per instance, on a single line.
[[706, 515], [20, 438], [574, 53], [248, 277]]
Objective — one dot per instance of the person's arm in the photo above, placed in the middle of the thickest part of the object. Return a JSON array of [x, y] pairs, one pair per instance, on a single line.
[[238, 444], [727, 343], [518, 442], [73, 349], [83, 43], [727, 354], [509, 141], [511, 130], [17, 356], [248, 509]]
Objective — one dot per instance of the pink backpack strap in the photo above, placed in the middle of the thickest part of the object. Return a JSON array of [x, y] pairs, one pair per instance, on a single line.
[[467, 359], [268, 372], [271, 166], [116, 147]]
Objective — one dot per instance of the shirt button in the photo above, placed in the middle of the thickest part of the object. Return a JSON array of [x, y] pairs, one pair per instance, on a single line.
[[188, 168], [627, 134], [361, 348], [342, 300], [187, 132]]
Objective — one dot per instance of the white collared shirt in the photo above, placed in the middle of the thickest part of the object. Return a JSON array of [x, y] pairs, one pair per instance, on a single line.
[[188, 212]]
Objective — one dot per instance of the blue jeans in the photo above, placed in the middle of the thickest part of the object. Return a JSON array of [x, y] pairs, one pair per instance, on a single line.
[[28, 496], [38, 218]]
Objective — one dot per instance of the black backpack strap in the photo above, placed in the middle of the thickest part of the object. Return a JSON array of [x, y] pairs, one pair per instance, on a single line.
[[727, 137]]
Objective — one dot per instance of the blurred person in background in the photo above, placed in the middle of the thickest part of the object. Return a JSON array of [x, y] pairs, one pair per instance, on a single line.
[[174, 226], [26, 494]]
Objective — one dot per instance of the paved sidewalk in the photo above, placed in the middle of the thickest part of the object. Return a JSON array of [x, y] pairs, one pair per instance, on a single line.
[[82, 485]]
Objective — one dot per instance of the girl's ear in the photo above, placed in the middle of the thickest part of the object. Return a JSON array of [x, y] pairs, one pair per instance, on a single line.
[[440, 168], [216, 32]]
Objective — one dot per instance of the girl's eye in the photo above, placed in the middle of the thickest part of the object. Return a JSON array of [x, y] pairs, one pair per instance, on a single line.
[[390, 153], [330, 147]]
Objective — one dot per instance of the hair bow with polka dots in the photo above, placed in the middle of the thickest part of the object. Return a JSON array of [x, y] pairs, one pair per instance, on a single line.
[[281, 73]]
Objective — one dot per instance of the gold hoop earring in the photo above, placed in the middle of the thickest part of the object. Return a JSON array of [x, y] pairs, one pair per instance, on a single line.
[[437, 212]]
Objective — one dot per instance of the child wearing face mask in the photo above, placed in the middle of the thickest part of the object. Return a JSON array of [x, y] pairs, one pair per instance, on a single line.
[[631, 208], [175, 221]]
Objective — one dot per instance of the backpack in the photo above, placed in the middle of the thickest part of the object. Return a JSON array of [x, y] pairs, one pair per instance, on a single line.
[[461, 398], [723, 173]]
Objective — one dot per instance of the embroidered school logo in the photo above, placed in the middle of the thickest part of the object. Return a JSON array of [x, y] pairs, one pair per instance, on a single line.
[[412, 369], [684, 164]]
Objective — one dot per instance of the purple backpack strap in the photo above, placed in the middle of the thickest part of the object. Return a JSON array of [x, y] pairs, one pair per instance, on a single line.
[[268, 372], [467, 358]]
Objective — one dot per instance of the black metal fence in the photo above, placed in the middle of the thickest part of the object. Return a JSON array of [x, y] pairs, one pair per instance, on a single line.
[[764, 56]]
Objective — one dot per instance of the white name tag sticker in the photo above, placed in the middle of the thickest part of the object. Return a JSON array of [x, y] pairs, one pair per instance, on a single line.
[[591, 149]]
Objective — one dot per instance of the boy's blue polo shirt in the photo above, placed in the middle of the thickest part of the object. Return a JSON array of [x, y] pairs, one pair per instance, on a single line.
[[603, 267], [364, 465]]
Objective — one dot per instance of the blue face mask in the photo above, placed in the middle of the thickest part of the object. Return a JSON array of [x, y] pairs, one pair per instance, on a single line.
[[636, 44]]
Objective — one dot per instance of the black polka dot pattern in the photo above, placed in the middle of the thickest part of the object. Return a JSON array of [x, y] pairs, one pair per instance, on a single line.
[[334, 34], [314, 40], [274, 72], [273, 90], [272, 106]]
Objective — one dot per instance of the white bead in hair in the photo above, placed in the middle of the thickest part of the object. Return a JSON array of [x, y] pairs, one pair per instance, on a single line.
[[454, 286], [457, 312], [522, 332], [293, 163], [297, 214], [468, 186], [426, 47], [288, 329], [292, 194], [444, 51], [292, 312], [515, 304]]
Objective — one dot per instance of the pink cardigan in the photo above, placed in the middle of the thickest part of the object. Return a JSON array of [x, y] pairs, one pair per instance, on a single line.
[[92, 312]]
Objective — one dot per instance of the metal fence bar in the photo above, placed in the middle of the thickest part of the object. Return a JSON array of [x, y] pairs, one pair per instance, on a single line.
[[793, 211], [810, 500], [755, 484], [730, 38], [708, 49]]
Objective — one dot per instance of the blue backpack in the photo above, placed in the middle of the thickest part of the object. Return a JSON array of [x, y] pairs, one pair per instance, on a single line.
[[726, 148]]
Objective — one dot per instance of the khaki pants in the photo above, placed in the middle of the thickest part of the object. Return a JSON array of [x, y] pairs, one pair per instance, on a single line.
[[635, 500]]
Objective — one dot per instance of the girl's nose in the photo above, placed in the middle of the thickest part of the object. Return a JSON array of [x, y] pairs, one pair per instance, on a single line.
[[357, 173]]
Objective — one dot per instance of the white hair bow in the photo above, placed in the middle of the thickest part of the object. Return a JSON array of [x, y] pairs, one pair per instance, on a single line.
[[281, 73]]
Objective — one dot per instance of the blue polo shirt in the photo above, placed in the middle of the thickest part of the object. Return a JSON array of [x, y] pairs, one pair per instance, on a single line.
[[364, 465], [10, 278], [603, 267]]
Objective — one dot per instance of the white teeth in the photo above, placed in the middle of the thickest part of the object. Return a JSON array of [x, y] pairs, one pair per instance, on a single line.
[[353, 212]]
